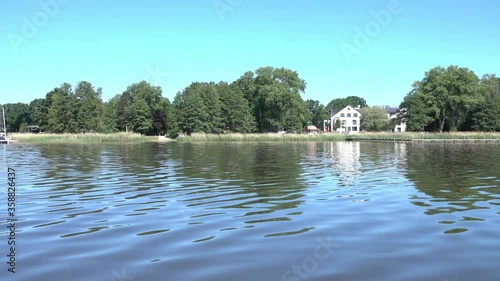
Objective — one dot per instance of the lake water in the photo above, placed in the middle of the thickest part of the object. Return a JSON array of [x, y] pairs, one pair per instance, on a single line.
[[253, 211]]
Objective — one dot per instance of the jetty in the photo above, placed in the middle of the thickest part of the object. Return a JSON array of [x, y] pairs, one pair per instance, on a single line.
[[422, 140], [378, 139]]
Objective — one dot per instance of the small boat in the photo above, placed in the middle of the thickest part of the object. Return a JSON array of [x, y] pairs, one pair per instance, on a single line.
[[3, 136], [4, 139]]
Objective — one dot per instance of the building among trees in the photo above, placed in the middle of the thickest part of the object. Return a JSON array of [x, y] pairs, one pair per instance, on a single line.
[[346, 120]]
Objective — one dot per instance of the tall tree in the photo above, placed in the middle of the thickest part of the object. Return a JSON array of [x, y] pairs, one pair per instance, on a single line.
[[63, 112], [339, 103], [449, 94], [375, 119], [275, 98], [39, 113], [191, 112], [415, 111], [110, 117], [129, 101], [140, 116], [236, 112], [90, 107], [486, 114], [213, 106], [16, 115], [317, 111]]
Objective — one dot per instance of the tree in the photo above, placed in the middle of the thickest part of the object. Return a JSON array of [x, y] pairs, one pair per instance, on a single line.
[[128, 101], [63, 112], [374, 119], [274, 98], [236, 113], [15, 115], [415, 112], [213, 106], [90, 107], [191, 112], [340, 103], [39, 110], [110, 117], [449, 94], [140, 116], [486, 114], [317, 112]]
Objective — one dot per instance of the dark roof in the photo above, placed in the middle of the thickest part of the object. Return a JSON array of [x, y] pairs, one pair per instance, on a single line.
[[336, 110], [391, 110]]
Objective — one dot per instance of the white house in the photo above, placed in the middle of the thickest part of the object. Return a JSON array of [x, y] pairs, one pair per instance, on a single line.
[[349, 118], [394, 113]]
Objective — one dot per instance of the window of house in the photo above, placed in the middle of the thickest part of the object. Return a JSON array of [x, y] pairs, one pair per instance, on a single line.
[[348, 114], [342, 115], [343, 122], [354, 122], [355, 129], [355, 115]]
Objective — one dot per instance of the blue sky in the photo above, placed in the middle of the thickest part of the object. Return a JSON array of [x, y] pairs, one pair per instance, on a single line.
[[340, 48]]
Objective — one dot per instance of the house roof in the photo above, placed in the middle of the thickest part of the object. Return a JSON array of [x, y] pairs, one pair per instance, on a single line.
[[391, 110], [337, 110]]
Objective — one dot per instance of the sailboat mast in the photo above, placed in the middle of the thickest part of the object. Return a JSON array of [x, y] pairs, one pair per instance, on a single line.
[[3, 118]]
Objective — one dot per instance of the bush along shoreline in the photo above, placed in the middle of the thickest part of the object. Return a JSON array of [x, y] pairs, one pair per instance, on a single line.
[[82, 138], [256, 137]]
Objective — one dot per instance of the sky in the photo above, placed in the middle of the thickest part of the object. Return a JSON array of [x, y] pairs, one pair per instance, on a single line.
[[374, 49]]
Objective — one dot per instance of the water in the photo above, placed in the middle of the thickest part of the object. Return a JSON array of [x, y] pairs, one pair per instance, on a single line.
[[248, 211]]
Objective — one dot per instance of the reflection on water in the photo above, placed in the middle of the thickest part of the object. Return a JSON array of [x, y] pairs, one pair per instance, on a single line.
[[458, 183], [253, 211]]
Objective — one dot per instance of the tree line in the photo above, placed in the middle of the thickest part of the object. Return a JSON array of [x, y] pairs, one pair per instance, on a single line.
[[266, 100], [453, 99]]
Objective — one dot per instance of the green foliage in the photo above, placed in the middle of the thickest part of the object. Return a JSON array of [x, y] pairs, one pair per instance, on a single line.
[[486, 114], [447, 95], [340, 103], [337, 124], [267, 100], [148, 100], [317, 112], [63, 112], [191, 112], [110, 117], [39, 110], [415, 112], [140, 116], [236, 113], [274, 97], [90, 107], [374, 119], [15, 115]]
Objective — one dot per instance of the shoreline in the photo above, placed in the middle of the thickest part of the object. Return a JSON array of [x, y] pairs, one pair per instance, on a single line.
[[122, 137]]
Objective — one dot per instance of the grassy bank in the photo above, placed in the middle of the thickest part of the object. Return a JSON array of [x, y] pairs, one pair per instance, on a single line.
[[200, 137], [434, 136], [82, 138], [236, 137]]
